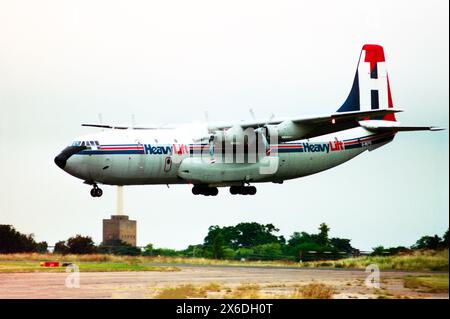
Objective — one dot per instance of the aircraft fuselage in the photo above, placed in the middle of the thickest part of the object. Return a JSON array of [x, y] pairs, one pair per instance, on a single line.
[[138, 159]]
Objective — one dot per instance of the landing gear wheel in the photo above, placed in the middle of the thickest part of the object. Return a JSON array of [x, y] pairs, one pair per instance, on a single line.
[[205, 190], [243, 190], [195, 190], [251, 190], [98, 192], [234, 190]]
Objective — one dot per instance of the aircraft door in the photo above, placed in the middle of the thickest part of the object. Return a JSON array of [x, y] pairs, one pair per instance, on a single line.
[[167, 164]]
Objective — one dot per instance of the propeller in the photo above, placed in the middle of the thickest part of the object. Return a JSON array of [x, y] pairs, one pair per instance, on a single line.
[[211, 140], [261, 130], [211, 149]]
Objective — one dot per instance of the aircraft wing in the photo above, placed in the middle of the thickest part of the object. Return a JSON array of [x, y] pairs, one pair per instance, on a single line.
[[319, 125], [123, 127]]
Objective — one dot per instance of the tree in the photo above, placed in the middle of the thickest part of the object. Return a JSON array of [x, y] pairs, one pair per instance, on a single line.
[[254, 234], [428, 242], [378, 251], [322, 236], [217, 246], [194, 251], [213, 231], [12, 241], [166, 252], [300, 238], [81, 245], [398, 250], [61, 248], [148, 250], [445, 241], [118, 247], [241, 235], [42, 247], [268, 251], [341, 244]]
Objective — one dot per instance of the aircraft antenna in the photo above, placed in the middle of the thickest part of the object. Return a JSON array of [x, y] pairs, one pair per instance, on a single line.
[[100, 119], [252, 114], [133, 121]]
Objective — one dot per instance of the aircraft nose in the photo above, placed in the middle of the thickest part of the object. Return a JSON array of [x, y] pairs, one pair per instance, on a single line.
[[60, 161], [61, 158]]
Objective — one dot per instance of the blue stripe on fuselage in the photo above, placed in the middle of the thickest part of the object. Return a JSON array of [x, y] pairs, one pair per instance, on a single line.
[[375, 140], [110, 152]]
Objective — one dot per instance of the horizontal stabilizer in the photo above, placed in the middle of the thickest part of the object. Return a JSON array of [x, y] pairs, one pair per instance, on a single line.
[[390, 126]]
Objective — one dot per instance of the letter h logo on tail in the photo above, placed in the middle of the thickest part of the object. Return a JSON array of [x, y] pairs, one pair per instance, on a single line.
[[371, 89]]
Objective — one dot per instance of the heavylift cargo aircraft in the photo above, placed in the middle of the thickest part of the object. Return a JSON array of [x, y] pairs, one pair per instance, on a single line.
[[236, 155]]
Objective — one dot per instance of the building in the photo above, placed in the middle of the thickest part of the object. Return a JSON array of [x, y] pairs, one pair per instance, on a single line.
[[119, 227]]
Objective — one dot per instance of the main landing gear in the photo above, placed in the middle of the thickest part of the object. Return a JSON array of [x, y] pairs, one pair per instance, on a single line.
[[204, 190], [96, 191], [213, 191], [243, 190]]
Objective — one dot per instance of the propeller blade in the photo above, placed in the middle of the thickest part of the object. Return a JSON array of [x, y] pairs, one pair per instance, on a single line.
[[252, 114], [261, 132], [211, 148]]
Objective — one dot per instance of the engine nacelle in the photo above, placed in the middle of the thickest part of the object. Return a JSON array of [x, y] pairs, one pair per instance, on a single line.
[[287, 131], [235, 135]]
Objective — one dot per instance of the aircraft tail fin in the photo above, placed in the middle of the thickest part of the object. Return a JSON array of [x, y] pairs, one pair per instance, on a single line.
[[371, 89]]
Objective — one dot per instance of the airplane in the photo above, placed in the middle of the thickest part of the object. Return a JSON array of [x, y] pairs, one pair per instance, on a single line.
[[235, 155]]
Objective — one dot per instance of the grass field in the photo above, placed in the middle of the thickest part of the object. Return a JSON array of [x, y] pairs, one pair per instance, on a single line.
[[244, 291], [429, 284], [30, 266], [417, 261]]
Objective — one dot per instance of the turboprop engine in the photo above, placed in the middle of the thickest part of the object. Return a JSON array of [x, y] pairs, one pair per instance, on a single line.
[[268, 134], [238, 136], [286, 131], [234, 135]]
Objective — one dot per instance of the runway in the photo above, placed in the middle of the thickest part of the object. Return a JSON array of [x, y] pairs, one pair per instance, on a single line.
[[272, 282]]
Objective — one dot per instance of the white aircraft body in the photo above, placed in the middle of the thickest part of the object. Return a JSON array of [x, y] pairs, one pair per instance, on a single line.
[[236, 155]]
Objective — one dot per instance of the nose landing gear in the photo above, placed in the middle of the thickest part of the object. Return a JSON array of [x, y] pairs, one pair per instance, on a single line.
[[96, 191]]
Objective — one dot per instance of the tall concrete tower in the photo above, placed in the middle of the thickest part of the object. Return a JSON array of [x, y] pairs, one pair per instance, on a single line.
[[119, 227]]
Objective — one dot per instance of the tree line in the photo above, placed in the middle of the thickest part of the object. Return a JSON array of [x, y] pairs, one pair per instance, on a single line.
[[11, 241], [250, 241]]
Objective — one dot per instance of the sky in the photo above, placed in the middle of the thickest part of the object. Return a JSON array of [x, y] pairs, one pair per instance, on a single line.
[[64, 62]]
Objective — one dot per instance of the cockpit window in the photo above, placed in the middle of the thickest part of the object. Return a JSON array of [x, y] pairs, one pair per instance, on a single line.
[[85, 143]]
